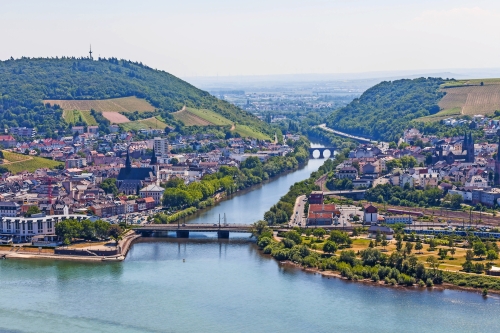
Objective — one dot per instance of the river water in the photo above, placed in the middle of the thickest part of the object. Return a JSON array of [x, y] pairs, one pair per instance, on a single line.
[[206, 285]]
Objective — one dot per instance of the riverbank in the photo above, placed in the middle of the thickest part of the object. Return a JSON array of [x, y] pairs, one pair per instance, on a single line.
[[82, 254], [337, 275]]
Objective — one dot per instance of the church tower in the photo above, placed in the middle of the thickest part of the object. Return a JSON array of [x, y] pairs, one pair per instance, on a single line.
[[470, 149], [154, 165], [497, 165], [128, 164]]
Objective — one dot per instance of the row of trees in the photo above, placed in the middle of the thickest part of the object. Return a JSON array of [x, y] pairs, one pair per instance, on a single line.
[[395, 195], [69, 230]]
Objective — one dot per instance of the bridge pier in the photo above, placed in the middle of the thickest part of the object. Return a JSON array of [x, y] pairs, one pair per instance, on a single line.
[[223, 234], [182, 233]]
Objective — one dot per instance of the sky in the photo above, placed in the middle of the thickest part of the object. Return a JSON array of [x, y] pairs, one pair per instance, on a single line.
[[259, 37]]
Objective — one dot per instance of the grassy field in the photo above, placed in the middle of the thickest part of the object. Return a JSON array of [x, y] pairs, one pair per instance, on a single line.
[[16, 163], [123, 104], [73, 116], [443, 114], [202, 117], [246, 131], [471, 97], [153, 123]]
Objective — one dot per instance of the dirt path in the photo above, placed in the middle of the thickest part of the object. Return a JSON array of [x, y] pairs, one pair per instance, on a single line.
[[8, 162]]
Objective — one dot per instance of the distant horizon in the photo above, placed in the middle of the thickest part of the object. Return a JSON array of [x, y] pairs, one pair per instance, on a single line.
[[196, 38]]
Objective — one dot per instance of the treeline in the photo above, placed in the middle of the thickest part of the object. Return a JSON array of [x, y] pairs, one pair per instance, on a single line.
[[400, 267], [70, 229], [410, 197], [385, 110], [25, 82]]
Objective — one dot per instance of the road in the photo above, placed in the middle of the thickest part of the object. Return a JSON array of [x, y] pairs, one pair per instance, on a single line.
[[298, 218], [358, 138]]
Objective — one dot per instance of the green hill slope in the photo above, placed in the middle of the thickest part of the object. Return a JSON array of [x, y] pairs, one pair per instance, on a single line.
[[25, 83], [384, 111]]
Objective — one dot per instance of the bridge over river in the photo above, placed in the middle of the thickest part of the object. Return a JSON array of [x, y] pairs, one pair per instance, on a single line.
[[183, 231]]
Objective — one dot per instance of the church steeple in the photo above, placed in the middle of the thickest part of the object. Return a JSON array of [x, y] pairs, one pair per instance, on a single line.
[[154, 159], [128, 164]]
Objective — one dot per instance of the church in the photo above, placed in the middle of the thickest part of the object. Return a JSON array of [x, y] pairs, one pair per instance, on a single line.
[[131, 180], [466, 154]]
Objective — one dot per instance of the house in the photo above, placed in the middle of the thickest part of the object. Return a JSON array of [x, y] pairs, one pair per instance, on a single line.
[[385, 231], [152, 191], [347, 172], [7, 141], [370, 214], [316, 197]]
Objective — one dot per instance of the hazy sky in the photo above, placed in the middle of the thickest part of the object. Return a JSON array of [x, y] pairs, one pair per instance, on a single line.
[[255, 37]]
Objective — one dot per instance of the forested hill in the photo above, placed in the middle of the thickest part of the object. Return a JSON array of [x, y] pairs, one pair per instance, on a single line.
[[25, 82], [384, 111]]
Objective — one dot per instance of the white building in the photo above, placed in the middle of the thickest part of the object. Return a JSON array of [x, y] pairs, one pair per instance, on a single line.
[[161, 146], [153, 191], [398, 219], [10, 209]]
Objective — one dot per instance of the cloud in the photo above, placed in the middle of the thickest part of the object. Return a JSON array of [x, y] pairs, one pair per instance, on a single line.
[[464, 14]]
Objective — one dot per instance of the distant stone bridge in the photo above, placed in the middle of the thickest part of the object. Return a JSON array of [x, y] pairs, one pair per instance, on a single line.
[[322, 152], [183, 231]]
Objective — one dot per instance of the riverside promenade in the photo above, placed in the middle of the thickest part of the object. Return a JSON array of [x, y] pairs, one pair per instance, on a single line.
[[89, 253]]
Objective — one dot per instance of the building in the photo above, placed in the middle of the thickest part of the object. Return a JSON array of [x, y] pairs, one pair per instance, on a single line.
[[23, 131], [322, 214], [131, 180], [9, 209], [347, 172], [75, 163], [7, 141], [398, 219], [316, 198], [22, 228], [487, 197], [153, 191], [465, 154], [370, 214], [161, 146], [384, 231]]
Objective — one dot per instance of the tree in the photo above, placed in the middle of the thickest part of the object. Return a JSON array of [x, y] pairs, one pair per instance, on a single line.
[[456, 201], [419, 246], [115, 232], [101, 229], [330, 247], [452, 252], [442, 253], [109, 186], [319, 232], [88, 230], [469, 255], [408, 248], [468, 266], [295, 236], [479, 248], [378, 238], [174, 161], [259, 227], [433, 263], [491, 255], [33, 210], [384, 243]]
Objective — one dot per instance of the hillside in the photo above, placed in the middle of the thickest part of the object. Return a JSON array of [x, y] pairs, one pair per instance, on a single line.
[[82, 84], [384, 111]]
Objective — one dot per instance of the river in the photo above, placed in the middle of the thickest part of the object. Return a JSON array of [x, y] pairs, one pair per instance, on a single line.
[[209, 285]]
